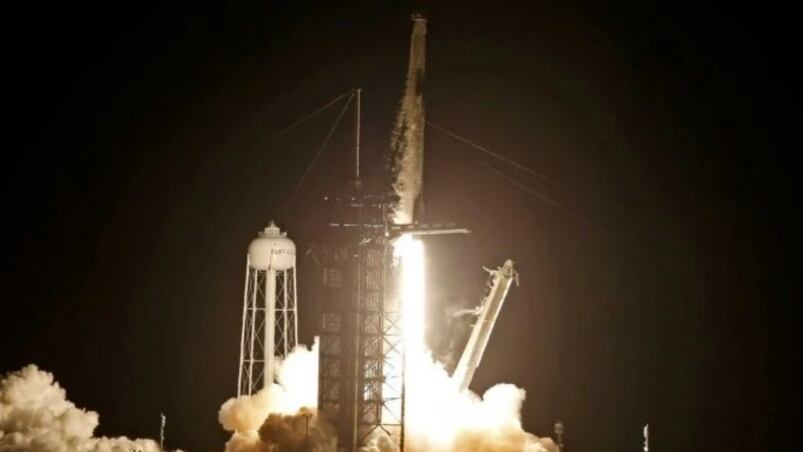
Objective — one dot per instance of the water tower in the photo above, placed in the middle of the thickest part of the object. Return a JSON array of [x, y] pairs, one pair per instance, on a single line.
[[270, 324]]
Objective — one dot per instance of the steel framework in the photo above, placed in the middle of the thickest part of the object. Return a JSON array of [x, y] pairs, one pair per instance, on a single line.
[[362, 356], [498, 286], [381, 347], [270, 325]]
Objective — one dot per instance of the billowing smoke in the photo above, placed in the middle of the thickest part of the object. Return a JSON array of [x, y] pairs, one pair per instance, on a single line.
[[283, 416], [439, 416], [297, 387], [442, 418], [35, 416], [300, 432]]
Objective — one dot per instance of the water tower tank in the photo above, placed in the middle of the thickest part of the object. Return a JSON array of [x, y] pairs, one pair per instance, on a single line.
[[272, 250], [270, 323]]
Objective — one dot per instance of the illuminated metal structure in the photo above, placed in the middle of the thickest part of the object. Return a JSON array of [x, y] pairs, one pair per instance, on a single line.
[[270, 323], [361, 370], [360, 386], [498, 286], [361, 373]]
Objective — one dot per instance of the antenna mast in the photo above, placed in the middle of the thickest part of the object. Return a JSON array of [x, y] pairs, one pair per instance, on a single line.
[[357, 136]]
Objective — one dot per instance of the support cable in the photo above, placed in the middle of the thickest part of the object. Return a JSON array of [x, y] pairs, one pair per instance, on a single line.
[[543, 198], [494, 154], [299, 121], [320, 149]]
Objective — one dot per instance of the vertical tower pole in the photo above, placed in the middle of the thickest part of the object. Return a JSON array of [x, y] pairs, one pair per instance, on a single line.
[[243, 330], [270, 325], [294, 302], [357, 136], [252, 312], [285, 312]]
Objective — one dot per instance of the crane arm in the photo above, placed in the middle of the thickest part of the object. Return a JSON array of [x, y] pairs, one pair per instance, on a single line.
[[500, 282]]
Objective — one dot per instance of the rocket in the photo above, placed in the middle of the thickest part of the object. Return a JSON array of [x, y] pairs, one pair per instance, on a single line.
[[407, 140]]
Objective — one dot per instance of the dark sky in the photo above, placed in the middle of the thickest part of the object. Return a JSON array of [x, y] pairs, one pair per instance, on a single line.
[[132, 188]]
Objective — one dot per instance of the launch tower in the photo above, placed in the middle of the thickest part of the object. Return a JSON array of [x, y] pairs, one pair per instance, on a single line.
[[361, 353], [361, 376]]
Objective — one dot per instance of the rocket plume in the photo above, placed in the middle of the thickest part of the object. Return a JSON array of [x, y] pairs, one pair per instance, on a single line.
[[439, 416], [281, 417], [35, 416]]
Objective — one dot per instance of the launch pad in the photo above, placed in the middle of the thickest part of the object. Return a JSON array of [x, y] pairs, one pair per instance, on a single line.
[[371, 293], [362, 371]]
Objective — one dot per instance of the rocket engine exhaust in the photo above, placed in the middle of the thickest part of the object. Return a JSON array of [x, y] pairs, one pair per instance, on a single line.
[[437, 414]]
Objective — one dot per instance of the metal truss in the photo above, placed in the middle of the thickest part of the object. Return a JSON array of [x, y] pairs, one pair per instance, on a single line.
[[380, 397], [270, 325], [361, 385]]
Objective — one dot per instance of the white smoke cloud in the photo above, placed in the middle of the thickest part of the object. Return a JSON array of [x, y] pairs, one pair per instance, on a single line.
[[440, 418], [283, 416], [301, 432], [35, 416]]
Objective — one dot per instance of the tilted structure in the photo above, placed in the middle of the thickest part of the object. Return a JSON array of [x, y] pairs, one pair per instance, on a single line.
[[498, 286]]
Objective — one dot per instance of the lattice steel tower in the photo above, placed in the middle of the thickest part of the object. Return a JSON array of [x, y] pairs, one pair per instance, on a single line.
[[361, 375], [270, 324]]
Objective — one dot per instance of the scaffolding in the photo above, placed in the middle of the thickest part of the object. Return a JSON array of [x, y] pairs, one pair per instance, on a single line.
[[361, 377]]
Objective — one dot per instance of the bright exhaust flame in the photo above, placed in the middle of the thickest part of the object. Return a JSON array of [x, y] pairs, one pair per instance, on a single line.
[[440, 417], [410, 252]]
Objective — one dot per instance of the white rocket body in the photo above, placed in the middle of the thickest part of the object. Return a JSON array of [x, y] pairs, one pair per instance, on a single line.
[[407, 140]]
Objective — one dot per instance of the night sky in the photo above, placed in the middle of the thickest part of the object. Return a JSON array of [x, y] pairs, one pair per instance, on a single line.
[[132, 186]]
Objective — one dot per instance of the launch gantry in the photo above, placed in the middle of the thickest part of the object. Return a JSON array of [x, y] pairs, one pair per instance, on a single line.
[[361, 376]]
